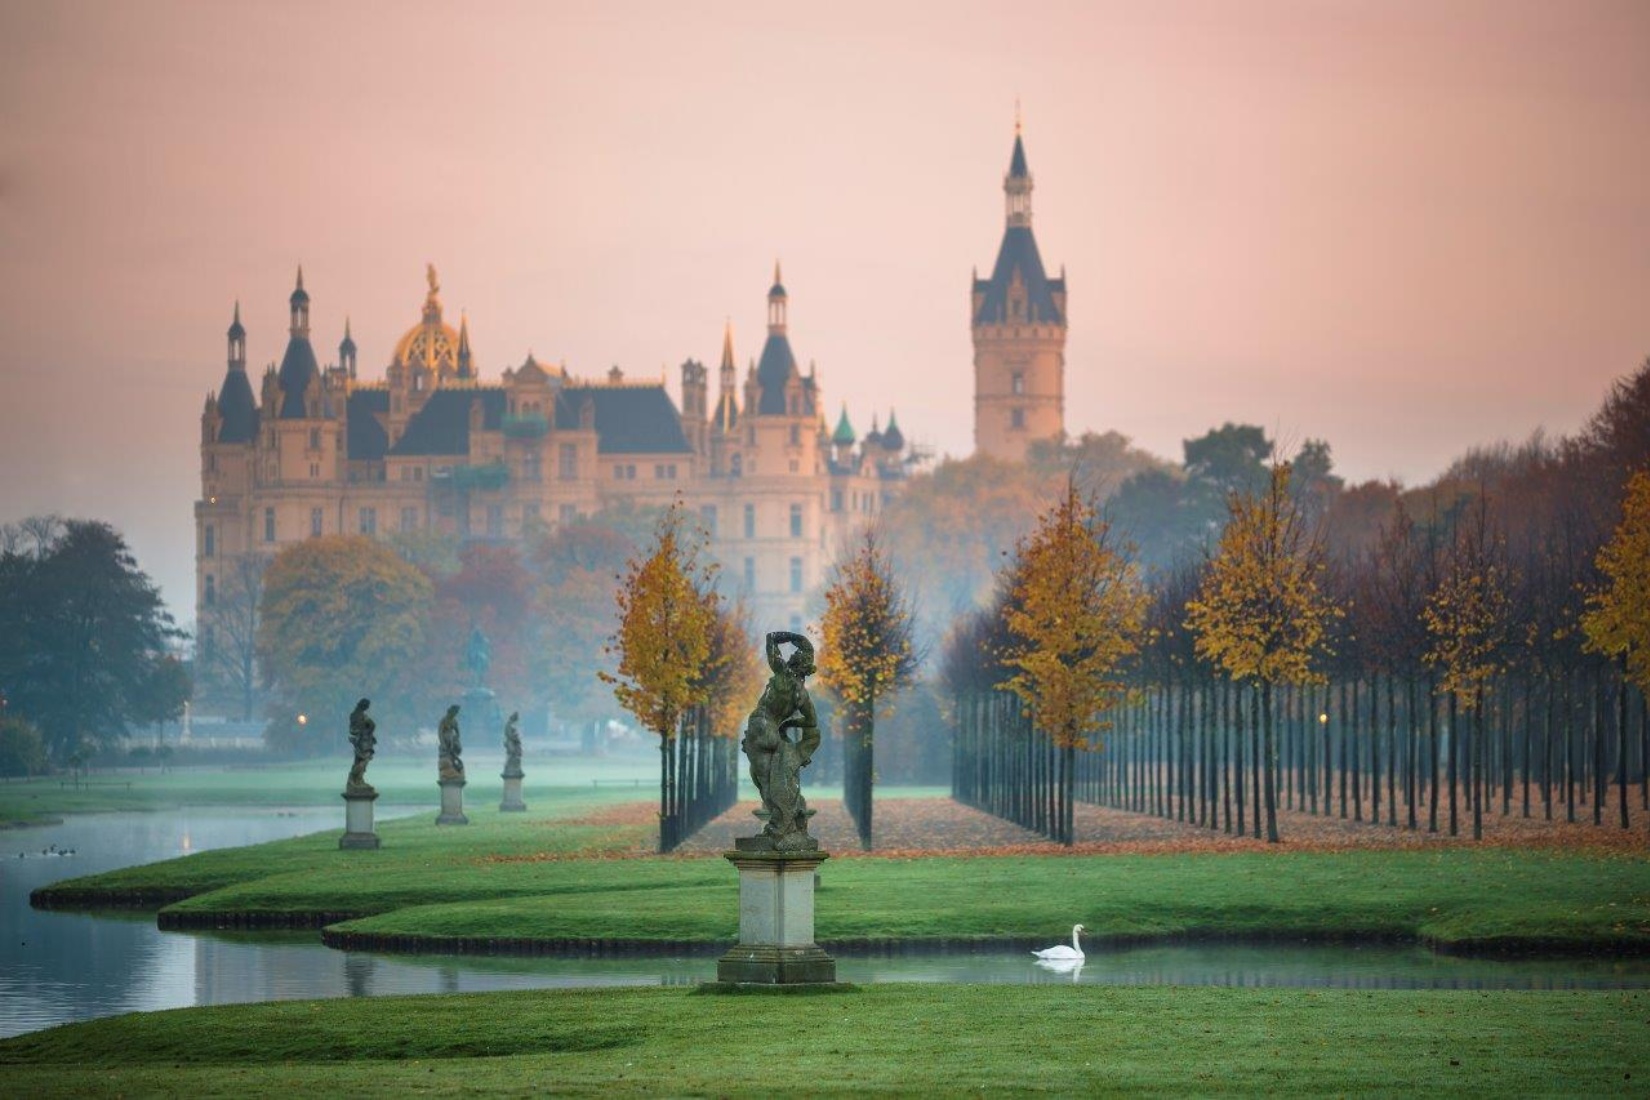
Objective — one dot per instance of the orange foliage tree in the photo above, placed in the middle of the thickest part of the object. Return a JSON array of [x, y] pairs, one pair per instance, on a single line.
[[1617, 621], [868, 653], [1261, 613], [1074, 614]]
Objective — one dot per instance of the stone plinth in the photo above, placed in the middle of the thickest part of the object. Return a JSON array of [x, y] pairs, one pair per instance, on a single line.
[[452, 803], [358, 830], [511, 802], [776, 922]]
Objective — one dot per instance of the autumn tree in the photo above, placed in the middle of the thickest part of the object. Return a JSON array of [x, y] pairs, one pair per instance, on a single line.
[[83, 636], [1261, 614], [868, 654], [1074, 615], [343, 617], [663, 641], [1467, 617], [1617, 621], [226, 647]]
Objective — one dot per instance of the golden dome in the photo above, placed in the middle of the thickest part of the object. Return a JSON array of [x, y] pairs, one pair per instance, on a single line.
[[430, 343]]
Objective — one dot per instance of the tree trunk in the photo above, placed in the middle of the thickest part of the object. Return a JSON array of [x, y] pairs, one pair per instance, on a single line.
[[1269, 751]]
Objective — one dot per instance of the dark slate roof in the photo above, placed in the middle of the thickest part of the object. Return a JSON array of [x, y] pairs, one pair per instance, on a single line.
[[629, 419], [1017, 163], [773, 370], [1019, 253], [238, 409], [367, 440], [442, 426], [298, 366]]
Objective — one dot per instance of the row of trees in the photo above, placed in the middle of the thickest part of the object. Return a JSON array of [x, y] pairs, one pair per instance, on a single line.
[[1492, 625], [86, 648]]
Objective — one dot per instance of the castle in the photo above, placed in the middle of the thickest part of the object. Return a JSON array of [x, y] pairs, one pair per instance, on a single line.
[[433, 448]]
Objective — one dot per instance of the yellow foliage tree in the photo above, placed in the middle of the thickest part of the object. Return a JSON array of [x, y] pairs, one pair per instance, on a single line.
[[665, 624], [868, 652], [1617, 621], [1261, 613], [1466, 616], [1075, 613]]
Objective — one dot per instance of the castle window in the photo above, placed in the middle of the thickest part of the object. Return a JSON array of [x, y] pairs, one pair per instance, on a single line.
[[211, 590], [314, 471], [1019, 383], [409, 519], [750, 521], [532, 466], [315, 439], [317, 522], [269, 525], [796, 435], [567, 461], [368, 521], [209, 542], [796, 521], [737, 467], [1017, 418], [530, 516], [796, 574]]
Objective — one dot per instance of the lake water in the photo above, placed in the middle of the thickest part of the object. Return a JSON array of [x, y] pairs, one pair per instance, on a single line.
[[56, 967]]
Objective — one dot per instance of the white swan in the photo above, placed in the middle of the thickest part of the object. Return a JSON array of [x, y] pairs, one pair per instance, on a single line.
[[1062, 952]]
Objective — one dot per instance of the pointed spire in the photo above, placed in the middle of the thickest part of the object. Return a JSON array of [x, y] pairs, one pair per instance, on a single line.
[[776, 303], [844, 433], [1017, 184], [236, 329], [300, 307], [465, 369], [348, 342], [778, 280], [727, 346]]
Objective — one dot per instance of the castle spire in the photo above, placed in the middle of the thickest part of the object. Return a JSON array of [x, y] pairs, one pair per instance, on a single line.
[[346, 351], [300, 308], [465, 369], [237, 341], [776, 304], [1018, 183]]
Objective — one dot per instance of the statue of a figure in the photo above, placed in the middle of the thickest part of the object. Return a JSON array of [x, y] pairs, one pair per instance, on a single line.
[[512, 746], [430, 277], [449, 746], [361, 730], [478, 655], [776, 761]]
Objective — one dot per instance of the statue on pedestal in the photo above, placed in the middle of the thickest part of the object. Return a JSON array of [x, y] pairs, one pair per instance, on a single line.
[[512, 747], [362, 739], [776, 760], [449, 764]]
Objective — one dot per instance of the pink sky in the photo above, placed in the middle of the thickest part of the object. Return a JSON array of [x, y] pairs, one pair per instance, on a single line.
[[1406, 228]]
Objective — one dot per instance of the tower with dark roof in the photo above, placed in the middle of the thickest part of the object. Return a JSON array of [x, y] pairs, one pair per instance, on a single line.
[[1019, 326]]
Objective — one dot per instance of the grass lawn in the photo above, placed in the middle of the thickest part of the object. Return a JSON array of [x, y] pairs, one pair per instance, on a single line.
[[911, 1039], [540, 877]]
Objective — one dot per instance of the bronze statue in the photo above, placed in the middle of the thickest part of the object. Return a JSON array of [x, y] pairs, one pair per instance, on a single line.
[[361, 730], [450, 766], [776, 761], [512, 746], [478, 656]]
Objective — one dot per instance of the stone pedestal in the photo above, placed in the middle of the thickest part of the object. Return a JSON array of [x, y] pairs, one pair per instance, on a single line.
[[452, 803], [358, 831], [776, 922], [511, 803]]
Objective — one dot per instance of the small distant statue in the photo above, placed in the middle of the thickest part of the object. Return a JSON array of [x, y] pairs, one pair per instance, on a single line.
[[512, 746], [776, 761], [449, 746], [478, 656], [362, 739]]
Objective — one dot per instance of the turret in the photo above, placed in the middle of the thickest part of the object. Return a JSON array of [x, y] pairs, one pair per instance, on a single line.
[[346, 352]]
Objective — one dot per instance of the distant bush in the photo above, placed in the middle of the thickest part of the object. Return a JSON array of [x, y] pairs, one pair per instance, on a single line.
[[22, 750]]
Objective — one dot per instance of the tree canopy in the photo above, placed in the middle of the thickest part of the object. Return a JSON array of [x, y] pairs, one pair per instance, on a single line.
[[83, 635], [343, 617]]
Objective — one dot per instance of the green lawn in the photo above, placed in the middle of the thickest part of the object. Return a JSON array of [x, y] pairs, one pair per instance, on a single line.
[[536, 877], [905, 1039]]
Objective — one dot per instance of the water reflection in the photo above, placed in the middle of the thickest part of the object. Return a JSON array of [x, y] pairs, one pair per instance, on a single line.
[[58, 967]]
